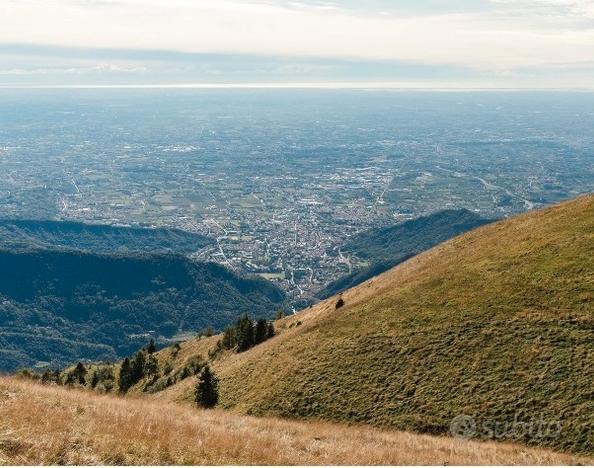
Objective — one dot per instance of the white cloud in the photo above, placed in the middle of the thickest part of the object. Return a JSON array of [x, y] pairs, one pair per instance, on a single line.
[[505, 35], [102, 68]]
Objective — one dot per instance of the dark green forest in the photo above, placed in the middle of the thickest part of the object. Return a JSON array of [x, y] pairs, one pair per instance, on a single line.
[[60, 306], [97, 238]]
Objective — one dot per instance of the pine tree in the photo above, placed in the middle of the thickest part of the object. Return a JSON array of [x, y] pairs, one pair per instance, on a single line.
[[152, 366], [106, 377], [138, 364], [270, 330], [95, 379], [260, 331], [125, 376], [229, 340], [80, 371], [207, 389], [151, 348], [245, 333]]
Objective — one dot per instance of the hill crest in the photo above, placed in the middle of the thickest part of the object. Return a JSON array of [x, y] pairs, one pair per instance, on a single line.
[[96, 238], [386, 247], [491, 324]]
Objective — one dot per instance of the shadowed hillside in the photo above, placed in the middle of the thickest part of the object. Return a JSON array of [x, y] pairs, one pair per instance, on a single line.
[[61, 306], [497, 324], [385, 248], [97, 238]]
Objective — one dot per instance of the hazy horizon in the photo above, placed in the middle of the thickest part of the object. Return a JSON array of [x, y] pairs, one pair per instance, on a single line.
[[495, 44], [355, 86]]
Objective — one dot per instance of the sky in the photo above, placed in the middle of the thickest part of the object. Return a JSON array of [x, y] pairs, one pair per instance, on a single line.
[[391, 43]]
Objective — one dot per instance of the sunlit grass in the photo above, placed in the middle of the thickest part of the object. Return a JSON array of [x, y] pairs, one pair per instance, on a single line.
[[54, 425], [496, 324]]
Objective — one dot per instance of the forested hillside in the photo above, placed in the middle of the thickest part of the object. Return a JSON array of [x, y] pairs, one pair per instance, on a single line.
[[97, 238], [60, 306]]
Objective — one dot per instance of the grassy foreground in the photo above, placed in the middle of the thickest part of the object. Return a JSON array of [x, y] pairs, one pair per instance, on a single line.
[[55, 425], [497, 324]]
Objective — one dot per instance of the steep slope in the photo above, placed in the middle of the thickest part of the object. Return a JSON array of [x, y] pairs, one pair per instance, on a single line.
[[97, 238], [55, 426], [60, 306], [386, 247], [497, 324]]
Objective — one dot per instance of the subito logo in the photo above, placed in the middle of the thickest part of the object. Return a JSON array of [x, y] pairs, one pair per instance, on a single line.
[[463, 427]]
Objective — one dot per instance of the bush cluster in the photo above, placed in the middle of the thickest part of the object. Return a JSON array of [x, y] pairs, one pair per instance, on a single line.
[[245, 334]]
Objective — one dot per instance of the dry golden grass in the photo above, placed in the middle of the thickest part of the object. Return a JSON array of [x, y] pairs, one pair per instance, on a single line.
[[496, 324], [54, 425]]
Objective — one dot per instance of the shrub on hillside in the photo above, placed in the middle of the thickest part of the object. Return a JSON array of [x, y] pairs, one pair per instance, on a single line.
[[207, 389], [77, 375], [151, 367], [125, 380], [151, 347]]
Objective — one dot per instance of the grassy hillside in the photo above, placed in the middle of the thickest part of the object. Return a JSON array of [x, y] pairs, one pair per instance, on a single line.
[[61, 306], [96, 238], [385, 248], [56, 426], [497, 324]]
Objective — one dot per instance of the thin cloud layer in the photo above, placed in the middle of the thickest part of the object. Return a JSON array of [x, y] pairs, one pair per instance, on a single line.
[[496, 38]]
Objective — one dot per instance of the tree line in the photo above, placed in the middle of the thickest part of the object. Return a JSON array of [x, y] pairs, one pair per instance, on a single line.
[[244, 334]]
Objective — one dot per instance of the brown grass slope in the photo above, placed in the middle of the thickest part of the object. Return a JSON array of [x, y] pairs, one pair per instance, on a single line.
[[54, 425], [497, 324]]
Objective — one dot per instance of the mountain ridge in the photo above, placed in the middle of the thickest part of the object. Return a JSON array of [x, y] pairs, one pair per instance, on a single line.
[[384, 248], [70, 305], [97, 238], [496, 324]]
